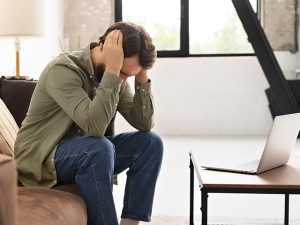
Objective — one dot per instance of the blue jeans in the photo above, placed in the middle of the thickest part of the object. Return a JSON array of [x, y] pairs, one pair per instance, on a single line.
[[90, 163]]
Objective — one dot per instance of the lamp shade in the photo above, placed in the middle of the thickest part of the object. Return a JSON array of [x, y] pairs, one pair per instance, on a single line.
[[21, 17]]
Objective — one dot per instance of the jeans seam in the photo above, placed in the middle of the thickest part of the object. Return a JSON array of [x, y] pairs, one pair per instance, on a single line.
[[129, 197], [65, 157], [97, 188]]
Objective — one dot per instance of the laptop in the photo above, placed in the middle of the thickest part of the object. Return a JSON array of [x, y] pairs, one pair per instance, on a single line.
[[281, 140]]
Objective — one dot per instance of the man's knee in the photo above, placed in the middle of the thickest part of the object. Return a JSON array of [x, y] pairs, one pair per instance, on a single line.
[[101, 150], [156, 143], [101, 146]]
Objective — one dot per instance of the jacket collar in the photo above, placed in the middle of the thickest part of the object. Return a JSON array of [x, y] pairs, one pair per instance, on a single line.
[[88, 61]]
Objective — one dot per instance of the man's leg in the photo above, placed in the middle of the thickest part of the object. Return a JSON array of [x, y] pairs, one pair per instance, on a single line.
[[142, 153], [89, 162]]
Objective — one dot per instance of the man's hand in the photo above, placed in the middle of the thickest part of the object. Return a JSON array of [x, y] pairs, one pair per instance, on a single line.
[[142, 77], [112, 52]]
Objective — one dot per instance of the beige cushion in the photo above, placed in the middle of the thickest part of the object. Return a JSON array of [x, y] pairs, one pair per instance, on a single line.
[[8, 130], [41, 206]]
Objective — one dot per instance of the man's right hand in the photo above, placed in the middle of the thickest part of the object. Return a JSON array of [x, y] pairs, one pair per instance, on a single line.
[[112, 52]]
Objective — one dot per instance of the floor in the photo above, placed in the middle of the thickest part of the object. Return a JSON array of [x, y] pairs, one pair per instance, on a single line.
[[171, 203]]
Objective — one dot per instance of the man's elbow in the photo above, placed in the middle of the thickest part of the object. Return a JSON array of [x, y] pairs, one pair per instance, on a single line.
[[146, 126], [94, 131]]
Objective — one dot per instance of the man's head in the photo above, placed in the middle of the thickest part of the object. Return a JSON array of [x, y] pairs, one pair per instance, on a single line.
[[136, 42]]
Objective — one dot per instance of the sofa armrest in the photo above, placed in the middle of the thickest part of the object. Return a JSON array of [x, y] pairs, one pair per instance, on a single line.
[[8, 190]]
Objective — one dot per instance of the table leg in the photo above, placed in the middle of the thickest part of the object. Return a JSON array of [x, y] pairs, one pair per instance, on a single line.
[[204, 197], [191, 193], [286, 209]]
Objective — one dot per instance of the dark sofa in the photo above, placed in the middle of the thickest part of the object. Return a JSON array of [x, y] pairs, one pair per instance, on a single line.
[[60, 205]]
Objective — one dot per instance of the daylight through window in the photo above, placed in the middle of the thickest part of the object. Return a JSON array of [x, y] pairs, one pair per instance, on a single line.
[[214, 26]]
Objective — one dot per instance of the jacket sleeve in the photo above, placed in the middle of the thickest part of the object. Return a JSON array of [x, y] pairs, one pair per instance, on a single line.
[[65, 86], [138, 109]]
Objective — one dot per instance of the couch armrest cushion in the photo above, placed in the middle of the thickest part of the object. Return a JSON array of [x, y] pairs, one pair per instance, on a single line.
[[8, 131], [8, 190], [16, 94]]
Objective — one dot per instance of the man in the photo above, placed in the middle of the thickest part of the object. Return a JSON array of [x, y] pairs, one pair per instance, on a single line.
[[66, 137]]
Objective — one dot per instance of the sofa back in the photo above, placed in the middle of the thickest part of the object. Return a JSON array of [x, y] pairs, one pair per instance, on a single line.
[[16, 94]]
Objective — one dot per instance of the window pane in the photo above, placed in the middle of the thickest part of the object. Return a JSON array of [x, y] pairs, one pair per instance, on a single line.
[[215, 28], [161, 18]]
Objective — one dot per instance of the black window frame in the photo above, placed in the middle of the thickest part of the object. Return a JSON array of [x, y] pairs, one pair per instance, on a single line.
[[184, 50]]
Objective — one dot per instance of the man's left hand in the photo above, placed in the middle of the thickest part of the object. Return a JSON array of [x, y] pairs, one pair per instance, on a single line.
[[142, 77]]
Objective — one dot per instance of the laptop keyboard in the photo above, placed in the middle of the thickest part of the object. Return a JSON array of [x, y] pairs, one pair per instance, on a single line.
[[249, 166]]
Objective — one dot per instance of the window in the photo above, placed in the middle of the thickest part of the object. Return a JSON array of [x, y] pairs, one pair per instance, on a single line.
[[189, 27]]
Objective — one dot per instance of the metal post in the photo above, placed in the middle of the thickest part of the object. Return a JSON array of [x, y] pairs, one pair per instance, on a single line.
[[204, 197], [17, 46], [191, 193], [286, 209]]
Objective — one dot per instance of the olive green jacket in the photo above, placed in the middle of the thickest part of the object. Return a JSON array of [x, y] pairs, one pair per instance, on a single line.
[[67, 102]]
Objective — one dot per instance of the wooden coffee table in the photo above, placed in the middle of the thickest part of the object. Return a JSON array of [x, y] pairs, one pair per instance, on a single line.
[[284, 180]]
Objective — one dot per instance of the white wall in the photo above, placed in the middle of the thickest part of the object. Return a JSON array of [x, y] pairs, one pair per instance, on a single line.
[[213, 95]]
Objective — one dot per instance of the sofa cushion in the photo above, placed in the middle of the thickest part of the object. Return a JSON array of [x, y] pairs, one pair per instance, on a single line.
[[16, 94], [49, 207], [8, 130]]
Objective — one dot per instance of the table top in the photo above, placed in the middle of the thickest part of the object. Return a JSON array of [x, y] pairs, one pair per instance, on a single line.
[[284, 177]]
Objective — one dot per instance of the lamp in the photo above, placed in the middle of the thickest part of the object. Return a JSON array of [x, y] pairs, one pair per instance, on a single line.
[[21, 18]]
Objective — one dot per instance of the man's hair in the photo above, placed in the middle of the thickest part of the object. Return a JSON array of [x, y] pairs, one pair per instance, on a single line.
[[136, 41]]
